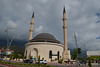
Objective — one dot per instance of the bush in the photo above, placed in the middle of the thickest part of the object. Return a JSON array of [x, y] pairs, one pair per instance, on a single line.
[[42, 58], [60, 61], [31, 57]]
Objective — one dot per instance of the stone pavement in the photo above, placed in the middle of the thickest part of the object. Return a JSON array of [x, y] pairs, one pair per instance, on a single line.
[[70, 65]]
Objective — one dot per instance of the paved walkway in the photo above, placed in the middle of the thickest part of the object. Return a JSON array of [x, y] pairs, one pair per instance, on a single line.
[[70, 65]]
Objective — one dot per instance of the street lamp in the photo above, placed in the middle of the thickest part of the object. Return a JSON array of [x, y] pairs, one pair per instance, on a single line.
[[8, 43], [7, 36], [76, 47], [7, 40]]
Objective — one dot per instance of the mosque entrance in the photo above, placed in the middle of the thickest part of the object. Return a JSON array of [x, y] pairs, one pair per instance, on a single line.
[[34, 53], [51, 55]]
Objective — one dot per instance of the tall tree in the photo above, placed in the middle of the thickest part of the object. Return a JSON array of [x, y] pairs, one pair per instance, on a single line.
[[74, 54], [79, 50], [89, 62]]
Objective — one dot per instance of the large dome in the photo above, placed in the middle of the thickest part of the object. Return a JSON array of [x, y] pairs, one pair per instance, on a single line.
[[44, 37]]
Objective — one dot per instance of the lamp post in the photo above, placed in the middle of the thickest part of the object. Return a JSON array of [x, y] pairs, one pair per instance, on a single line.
[[7, 36], [76, 47], [7, 41], [85, 57]]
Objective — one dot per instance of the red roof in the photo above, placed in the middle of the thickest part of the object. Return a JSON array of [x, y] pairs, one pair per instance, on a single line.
[[10, 50], [6, 50], [2, 49]]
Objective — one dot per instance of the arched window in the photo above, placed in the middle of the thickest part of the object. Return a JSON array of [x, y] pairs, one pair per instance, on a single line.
[[50, 54], [58, 54]]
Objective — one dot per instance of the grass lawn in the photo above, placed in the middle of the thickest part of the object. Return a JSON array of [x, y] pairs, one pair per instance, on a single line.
[[25, 64]]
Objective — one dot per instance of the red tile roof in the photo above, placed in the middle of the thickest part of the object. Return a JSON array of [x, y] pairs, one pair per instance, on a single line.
[[6, 50]]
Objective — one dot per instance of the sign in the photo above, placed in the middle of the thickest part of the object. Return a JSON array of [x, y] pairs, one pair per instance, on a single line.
[[2, 52], [34, 59], [8, 52]]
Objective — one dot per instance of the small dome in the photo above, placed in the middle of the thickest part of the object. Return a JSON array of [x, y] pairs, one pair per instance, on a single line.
[[44, 37]]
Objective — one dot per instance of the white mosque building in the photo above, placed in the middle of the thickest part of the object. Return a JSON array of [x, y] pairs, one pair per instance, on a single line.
[[46, 45]]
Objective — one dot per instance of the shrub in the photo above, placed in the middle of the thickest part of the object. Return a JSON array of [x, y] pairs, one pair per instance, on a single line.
[[60, 61], [42, 58], [60, 57], [31, 57]]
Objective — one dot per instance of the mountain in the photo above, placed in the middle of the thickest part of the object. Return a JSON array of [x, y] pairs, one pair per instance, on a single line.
[[20, 43]]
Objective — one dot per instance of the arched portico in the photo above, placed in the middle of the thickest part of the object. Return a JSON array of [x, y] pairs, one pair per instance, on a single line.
[[34, 53]]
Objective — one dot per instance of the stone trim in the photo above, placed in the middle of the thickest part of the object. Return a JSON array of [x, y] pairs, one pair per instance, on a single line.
[[45, 43]]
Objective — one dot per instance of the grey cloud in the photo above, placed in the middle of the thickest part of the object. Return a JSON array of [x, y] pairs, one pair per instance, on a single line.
[[81, 18]]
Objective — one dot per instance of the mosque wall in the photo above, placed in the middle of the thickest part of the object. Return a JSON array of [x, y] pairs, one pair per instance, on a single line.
[[42, 48]]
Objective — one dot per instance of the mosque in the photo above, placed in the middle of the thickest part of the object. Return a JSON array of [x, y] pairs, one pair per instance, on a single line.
[[46, 45]]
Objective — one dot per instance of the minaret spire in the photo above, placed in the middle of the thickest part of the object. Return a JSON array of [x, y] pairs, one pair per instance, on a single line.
[[33, 15], [65, 55], [64, 11], [31, 28]]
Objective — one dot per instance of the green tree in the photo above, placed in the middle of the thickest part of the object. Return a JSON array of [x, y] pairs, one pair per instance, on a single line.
[[12, 56], [39, 60], [89, 62], [74, 54], [16, 56], [19, 56], [79, 50]]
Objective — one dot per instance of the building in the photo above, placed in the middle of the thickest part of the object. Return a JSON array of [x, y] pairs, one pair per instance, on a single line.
[[46, 45], [93, 53], [4, 51]]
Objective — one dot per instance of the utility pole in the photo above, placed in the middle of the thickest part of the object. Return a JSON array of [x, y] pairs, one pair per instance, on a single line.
[[85, 54], [76, 47], [7, 36], [84, 48], [7, 41]]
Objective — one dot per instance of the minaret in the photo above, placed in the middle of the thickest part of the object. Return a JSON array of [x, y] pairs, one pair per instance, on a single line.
[[31, 28], [65, 55]]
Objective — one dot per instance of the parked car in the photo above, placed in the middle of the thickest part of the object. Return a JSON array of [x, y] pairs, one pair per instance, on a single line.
[[28, 61], [42, 62]]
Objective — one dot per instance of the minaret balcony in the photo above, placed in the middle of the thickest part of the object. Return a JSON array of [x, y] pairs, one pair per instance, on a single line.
[[64, 26]]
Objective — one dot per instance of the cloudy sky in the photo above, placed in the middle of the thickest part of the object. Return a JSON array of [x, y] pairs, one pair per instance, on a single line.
[[83, 17]]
